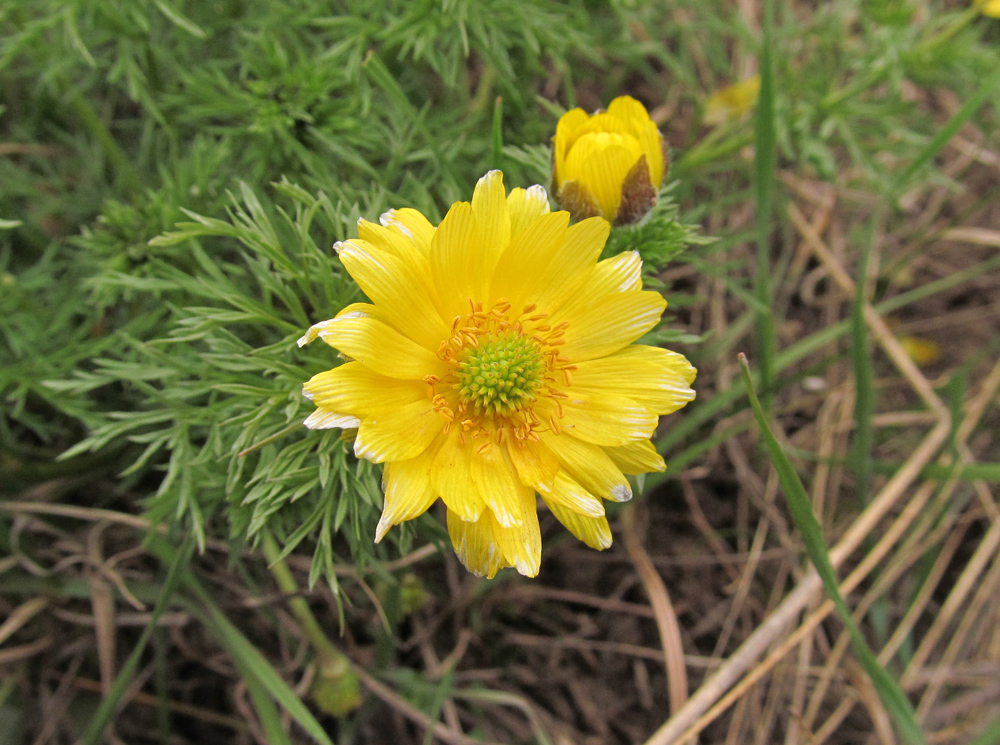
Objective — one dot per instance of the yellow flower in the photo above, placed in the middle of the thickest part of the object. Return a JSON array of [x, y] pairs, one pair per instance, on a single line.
[[496, 361], [991, 8], [610, 164], [732, 102], [922, 351]]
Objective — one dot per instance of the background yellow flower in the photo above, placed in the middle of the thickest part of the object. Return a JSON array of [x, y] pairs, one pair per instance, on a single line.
[[732, 102], [609, 164], [991, 8], [496, 361]]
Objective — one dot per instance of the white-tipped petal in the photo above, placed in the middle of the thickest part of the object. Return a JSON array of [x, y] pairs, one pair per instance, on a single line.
[[326, 419]]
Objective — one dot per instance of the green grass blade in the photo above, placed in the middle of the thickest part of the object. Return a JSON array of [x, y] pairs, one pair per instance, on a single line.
[[497, 159], [270, 719], [987, 88], [109, 705], [765, 166], [252, 664], [888, 689], [864, 402]]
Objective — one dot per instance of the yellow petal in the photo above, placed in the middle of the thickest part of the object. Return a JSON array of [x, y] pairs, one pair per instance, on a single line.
[[617, 321], [451, 476], [991, 8], [594, 531], [457, 265], [412, 258], [475, 545], [602, 121], [636, 457], [655, 378], [611, 276], [567, 493], [571, 265], [412, 224], [381, 348], [526, 206], [522, 544], [535, 464], [674, 361], [324, 418], [921, 351], [601, 161], [522, 269], [405, 297], [398, 434], [636, 119], [393, 242], [565, 135], [732, 102], [354, 389], [495, 480], [590, 466], [489, 205], [354, 310], [408, 491], [607, 419]]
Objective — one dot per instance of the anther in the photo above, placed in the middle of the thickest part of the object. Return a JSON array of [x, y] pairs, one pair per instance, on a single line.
[[554, 424], [484, 447]]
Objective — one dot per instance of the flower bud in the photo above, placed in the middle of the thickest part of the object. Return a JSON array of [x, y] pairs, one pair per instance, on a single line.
[[610, 163]]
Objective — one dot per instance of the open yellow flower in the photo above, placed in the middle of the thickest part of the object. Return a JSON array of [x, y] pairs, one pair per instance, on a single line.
[[610, 164], [496, 361]]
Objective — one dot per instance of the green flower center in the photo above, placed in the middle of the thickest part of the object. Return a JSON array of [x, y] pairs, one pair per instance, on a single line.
[[500, 375]]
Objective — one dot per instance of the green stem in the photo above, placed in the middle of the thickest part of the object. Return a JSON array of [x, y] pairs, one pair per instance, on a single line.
[[337, 688]]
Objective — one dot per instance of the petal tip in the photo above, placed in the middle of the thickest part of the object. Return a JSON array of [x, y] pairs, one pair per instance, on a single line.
[[621, 493], [326, 419]]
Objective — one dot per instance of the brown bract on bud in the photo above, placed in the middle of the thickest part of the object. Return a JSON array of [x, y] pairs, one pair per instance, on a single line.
[[610, 163]]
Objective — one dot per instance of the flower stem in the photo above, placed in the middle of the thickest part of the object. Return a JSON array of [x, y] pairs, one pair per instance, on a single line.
[[336, 689]]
